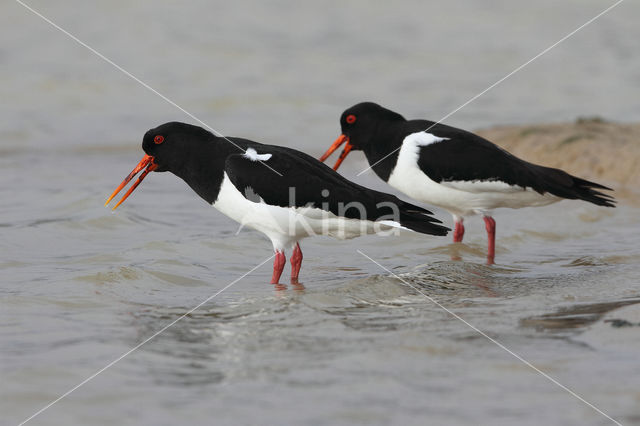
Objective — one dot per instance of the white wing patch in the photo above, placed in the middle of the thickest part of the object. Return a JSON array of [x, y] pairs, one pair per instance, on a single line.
[[422, 139], [410, 150], [253, 155]]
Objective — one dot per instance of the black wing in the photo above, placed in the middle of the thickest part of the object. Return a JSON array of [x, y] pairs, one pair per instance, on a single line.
[[307, 182], [465, 156]]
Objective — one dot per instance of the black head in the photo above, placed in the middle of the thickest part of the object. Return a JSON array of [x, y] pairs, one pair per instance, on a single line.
[[359, 125], [169, 147], [171, 144], [360, 122]]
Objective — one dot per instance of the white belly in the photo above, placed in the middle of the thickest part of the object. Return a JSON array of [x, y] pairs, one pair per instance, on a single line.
[[287, 225], [462, 198]]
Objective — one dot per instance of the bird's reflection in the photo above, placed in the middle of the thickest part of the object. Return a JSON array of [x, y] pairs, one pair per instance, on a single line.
[[295, 286], [279, 287], [456, 249], [482, 283]]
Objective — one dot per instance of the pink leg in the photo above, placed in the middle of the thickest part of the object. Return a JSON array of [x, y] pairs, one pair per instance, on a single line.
[[490, 225], [278, 266], [458, 232], [296, 263]]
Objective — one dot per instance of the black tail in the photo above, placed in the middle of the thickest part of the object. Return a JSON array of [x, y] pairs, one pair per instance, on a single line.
[[562, 184], [419, 220], [585, 191]]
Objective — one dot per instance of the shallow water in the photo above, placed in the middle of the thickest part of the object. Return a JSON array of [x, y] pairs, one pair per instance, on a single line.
[[81, 286], [353, 344]]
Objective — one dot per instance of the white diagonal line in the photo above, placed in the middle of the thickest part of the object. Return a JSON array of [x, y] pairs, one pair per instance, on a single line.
[[503, 79], [142, 343], [494, 341], [133, 77]]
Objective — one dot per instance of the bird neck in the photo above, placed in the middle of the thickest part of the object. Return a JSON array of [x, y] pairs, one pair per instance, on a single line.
[[382, 150], [204, 172]]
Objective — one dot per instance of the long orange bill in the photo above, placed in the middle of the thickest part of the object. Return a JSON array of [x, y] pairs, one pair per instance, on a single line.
[[341, 139], [347, 149], [147, 161]]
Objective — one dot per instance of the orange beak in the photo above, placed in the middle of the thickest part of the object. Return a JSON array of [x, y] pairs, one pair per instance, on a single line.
[[347, 149], [147, 161]]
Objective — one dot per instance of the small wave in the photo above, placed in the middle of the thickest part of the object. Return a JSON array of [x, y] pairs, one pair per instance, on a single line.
[[122, 274], [574, 317]]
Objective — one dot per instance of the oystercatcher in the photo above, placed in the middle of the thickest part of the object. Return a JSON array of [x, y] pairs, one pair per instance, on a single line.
[[454, 169], [281, 192]]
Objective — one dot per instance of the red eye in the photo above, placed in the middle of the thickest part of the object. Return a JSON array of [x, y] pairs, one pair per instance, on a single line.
[[158, 139], [351, 118]]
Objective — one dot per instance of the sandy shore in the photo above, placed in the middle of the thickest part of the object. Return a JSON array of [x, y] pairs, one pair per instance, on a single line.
[[594, 149]]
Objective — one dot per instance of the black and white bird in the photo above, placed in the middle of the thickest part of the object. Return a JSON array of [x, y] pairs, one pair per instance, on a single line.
[[281, 192], [451, 168]]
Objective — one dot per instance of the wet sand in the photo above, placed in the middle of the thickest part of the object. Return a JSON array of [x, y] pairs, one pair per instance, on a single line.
[[592, 148]]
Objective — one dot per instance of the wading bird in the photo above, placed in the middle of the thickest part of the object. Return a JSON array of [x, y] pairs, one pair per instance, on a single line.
[[451, 168], [283, 193]]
